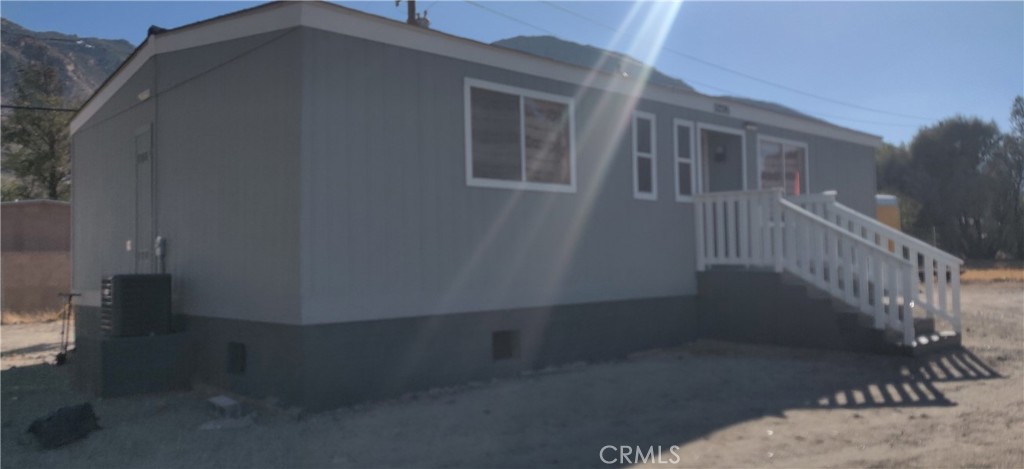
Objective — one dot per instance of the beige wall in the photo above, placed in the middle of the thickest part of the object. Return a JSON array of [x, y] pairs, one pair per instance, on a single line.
[[35, 260]]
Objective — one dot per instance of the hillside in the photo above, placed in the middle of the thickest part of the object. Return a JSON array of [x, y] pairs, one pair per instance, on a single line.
[[587, 57], [83, 62], [591, 57]]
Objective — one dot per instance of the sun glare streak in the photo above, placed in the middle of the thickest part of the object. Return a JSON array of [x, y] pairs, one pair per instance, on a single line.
[[654, 28], [598, 136]]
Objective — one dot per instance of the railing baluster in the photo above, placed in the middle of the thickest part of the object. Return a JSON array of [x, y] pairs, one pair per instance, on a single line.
[[833, 263], [720, 230], [848, 270], [819, 256], [862, 281], [908, 312], [758, 227], [941, 279], [929, 280], [698, 219], [730, 228], [877, 291], [955, 313], [892, 274], [776, 208], [743, 247]]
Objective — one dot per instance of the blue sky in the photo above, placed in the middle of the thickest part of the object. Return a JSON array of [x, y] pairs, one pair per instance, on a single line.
[[886, 68]]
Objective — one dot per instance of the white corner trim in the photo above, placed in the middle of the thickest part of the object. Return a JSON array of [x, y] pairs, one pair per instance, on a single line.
[[523, 184], [653, 156], [692, 161], [337, 19]]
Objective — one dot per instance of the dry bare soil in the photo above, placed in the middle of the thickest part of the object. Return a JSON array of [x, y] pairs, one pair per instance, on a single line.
[[723, 405]]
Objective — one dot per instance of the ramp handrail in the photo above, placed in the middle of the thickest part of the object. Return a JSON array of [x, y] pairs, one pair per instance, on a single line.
[[761, 229]]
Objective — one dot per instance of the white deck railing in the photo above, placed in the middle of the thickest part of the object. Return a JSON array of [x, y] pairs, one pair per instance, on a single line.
[[937, 281], [760, 228]]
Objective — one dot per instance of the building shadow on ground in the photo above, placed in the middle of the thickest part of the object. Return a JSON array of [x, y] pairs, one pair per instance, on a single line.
[[556, 418]]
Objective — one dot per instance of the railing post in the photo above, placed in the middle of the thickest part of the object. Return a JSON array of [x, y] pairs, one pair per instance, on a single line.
[[878, 293], [954, 314], [941, 279], [908, 312], [698, 215], [720, 251], [929, 280], [777, 228], [893, 276]]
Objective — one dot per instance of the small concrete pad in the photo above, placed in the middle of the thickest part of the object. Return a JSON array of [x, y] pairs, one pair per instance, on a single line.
[[226, 407]]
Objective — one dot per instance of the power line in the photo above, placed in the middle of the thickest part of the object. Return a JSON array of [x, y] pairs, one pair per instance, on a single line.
[[742, 74], [510, 18], [706, 85], [37, 108]]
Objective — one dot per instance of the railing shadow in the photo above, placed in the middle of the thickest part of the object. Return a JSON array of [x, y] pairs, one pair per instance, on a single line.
[[667, 398], [910, 383]]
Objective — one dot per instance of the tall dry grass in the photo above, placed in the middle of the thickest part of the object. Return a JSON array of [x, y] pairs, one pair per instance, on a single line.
[[993, 271], [29, 317]]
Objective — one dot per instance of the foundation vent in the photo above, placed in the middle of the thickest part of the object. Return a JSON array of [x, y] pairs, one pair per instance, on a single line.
[[505, 345], [236, 358]]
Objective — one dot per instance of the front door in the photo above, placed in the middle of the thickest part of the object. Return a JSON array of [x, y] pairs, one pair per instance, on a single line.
[[722, 155], [143, 160]]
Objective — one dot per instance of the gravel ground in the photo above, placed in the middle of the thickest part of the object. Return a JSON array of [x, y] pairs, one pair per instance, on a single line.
[[706, 405]]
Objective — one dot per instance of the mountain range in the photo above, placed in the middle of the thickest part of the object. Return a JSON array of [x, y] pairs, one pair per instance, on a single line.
[[85, 62]]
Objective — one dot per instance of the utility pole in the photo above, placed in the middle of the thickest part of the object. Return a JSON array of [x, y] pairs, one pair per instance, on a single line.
[[411, 8]]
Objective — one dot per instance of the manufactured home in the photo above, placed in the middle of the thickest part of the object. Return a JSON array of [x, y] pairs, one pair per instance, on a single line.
[[351, 207]]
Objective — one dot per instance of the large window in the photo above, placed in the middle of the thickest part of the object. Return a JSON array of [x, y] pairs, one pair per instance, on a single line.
[[782, 164], [645, 163], [518, 139], [686, 172]]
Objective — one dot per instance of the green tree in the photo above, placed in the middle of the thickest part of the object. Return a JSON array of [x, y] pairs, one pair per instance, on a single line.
[[892, 163], [948, 178], [36, 156], [1007, 172]]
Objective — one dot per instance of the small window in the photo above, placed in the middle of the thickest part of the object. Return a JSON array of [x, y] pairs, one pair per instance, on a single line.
[[518, 139], [782, 164], [645, 164], [686, 174]]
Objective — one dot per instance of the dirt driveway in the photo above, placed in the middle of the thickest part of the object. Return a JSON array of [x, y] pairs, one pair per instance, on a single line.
[[721, 405]]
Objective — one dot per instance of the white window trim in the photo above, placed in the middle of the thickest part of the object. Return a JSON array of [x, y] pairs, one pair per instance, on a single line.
[[472, 181], [694, 168], [653, 195], [806, 181], [727, 130]]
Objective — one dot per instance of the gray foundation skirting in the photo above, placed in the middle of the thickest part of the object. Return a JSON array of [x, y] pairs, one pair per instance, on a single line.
[[324, 366]]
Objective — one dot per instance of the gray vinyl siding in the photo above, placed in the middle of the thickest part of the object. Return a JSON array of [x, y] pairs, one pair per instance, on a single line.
[[227, 195], [229, 172], [103, 187], [390, 228], [103, 198], [306, 177]]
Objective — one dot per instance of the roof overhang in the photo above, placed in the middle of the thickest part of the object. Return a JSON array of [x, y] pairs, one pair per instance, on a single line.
[[337, 19]]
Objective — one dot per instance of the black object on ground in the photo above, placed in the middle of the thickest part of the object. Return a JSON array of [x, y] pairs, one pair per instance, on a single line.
[[64, 426]]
